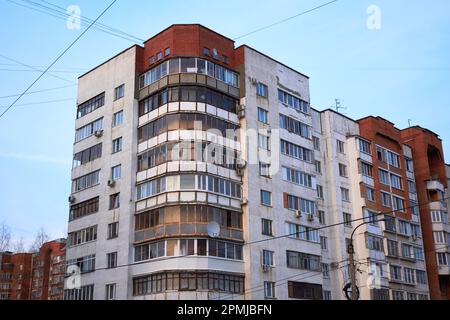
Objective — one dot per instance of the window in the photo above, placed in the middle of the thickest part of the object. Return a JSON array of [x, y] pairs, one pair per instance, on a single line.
[[407, 251], [266, 226], [366, 169], [263, 115], [411, 296], [397, 295], [318, 166], [398, 204], [224, 59], [325, 270], [304, 261], [340, 146], [261, 90], [83, 209], [326, 295], [392, 247], [264, 169], [302, 290], [370, 193], [297, 177], [266, 198], [302, 233], [396, 181], [411, 186], [117, 118], [319, 191], [166, 52], [293, 102], [86, 181], [442, 258], [439, 237], [383, 176], [404, 228], [116, 172], [263, 142], [421, 277], [87, 155], [409, 165], [119, 92], [322, 219], [82, 236], [85, 264], [295, 203], [114, 201], [393, 159], [372, 217], [385, 199], [83, 293], [296, 151], [151, 188], [342, 170], [294, 126], [111, 259], [409, 275], [345, 194], [152, 60], [206, 52], [323, 243], [110, 291], [418, 254], [364, 146], [113, 230], [117, 145], [347, 219], [267, 258], [316, 143], [269, 289], [395, 272], [90, 105], [374, 243], [439, 216], [159, 56], [88, 130], [187, 247]]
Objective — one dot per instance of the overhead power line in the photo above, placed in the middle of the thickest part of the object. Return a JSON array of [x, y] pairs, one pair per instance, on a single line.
[[284, 20], [38, 70], [56, 60], [41, 102], [38, 91], [62, 14], [34, 68]]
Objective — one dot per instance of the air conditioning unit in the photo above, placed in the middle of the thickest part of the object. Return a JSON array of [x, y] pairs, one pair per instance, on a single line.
[[298, 214], [98, 133], [241, 164], [240, 172], [269, 130], [310, 217], [266, 267], [253, 81], [71, 199], [111, 183], [240, 110], [244, 201], [414, 237]]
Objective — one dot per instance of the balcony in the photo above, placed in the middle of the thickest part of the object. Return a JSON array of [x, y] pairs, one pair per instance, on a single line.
[[435, 185]]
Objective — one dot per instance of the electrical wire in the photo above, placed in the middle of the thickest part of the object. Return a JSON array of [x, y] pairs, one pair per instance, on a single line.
[[38, 91], [56, 60], [284, 20], [41, 102]]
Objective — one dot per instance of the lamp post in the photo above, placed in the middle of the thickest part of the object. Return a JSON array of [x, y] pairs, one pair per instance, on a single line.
[[351, 252]]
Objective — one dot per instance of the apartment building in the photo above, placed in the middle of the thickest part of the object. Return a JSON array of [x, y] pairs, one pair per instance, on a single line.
[[48, 271], [202, 172], [33, 276]]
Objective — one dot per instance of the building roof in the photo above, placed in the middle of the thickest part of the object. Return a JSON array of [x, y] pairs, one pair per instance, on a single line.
[[187, 24]]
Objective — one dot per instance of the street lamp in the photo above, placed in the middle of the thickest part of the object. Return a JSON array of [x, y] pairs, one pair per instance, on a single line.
[[351, 251]]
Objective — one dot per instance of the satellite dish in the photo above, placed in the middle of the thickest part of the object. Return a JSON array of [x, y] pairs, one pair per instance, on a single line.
[[213, 229]]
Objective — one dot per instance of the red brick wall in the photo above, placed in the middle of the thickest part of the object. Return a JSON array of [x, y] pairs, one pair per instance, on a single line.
[[425, 167], [21, 276]]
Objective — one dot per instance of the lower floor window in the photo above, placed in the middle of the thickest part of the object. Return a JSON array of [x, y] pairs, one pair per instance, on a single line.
[[111, 291], [302, 290], [269, 289], [84, 293]]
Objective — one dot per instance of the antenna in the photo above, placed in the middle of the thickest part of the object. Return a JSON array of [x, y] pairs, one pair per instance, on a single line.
[[409, 123], [213, 229], [337, 105]]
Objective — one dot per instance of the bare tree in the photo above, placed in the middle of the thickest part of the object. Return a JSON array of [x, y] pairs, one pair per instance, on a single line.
[[18, 246], [41, 238], [5, 237]]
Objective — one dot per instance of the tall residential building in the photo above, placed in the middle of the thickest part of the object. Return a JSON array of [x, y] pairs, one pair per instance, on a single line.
[[201, 172], [33, 276]]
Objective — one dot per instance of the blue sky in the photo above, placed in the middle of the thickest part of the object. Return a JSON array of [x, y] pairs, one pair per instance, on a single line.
[[399, 72]]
